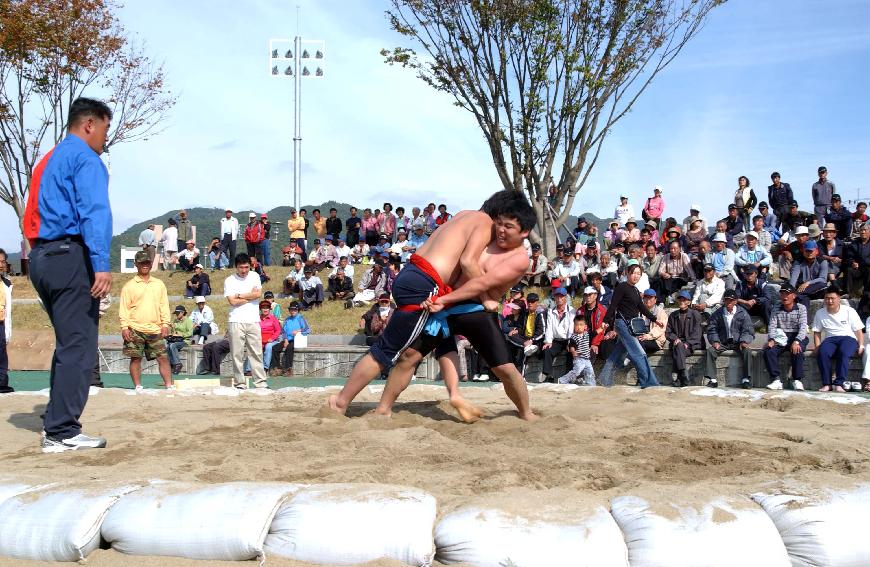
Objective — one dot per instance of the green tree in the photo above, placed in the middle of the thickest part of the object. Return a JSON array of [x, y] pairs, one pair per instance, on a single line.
[[546, 80], [51, 52]]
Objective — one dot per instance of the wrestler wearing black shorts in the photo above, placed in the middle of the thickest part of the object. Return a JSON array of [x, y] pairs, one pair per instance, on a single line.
[[482, 330]]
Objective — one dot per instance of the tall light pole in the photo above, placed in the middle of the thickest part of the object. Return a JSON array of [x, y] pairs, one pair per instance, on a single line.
[[297, 59]]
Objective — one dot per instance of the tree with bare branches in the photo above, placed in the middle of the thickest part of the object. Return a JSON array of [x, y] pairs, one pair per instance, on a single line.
[[546, 80], [51, 51]]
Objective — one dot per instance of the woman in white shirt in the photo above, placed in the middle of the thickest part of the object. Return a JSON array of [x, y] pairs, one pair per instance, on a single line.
[[843, 336], [203, 320]]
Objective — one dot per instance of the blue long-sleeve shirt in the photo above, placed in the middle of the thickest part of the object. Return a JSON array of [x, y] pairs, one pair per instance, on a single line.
[[69, 196], [295, 323]]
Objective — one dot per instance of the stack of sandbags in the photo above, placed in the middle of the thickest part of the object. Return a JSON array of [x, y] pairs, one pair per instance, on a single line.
[[348, 524], [214, 521]]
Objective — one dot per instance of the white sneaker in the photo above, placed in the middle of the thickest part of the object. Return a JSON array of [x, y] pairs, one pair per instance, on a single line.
[[856, 386], [626, 362], [798, 385], [484, 377], [201, 340], [139, 388], [777, 385], [171, 388], [80, 441], [475, 378]]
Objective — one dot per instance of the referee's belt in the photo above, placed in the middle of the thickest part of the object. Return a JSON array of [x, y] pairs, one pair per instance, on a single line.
[[73, 238]]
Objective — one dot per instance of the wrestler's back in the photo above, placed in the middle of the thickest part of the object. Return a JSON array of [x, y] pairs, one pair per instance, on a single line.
[[446, 245]]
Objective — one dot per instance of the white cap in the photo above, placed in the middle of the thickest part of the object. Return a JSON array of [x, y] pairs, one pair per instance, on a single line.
[[695, 207], [801, 230], [719, 237], [199, 299], [753, 234], [199, 266], [589, 289], [657, 188], [251, 215]]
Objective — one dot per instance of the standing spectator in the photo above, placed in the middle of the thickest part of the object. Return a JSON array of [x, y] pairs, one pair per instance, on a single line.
[[5, 308], [654, 209], [858, 258], [229, 234], [823, 190], [185, 229], [810, 276], [203, 321], [242, 290], [744, 199], [417, 219], [373, 321], [217, 256], [593, 312], [787, 332], [310, 289], [144, 314], [370, 227], [295, 324], [559, 322], [708, 291], [623, 211], [265, 244], [684, 335], [675, 271], [780, 197], [353, 225], [333, 225], [443, 215], [254, 237], [341, 288], [68, 222], [730, 328], [402, 221], [831, 250], [578, 347], [179, 334], [859, 219], [188, 257], [372, 284], [148, 241], [387, 222], [296, 229], [753, 294], [169, 239], [839, 216], [213, 354], [198, 284], [270, 335], [319, 224], [625, 306], [843, 334]]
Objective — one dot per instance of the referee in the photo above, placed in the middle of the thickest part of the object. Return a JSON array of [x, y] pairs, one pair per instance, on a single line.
[[68, 222]]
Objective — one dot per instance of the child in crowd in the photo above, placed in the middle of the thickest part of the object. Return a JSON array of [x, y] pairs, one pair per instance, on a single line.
[[578, 346]]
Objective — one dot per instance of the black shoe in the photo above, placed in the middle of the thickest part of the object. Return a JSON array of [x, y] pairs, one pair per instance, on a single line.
[[712, 383], [746, 384], [675, 384], [203, 372], [684, 382], [6, 389]]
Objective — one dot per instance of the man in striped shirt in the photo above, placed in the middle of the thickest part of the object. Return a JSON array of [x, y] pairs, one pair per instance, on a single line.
[[787, 331]]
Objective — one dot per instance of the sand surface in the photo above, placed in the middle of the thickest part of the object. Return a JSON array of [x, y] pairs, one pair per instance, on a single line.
[[590, 445]]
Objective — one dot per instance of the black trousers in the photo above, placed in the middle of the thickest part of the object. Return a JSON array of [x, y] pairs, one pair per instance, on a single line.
[[560, 346], [62, 274], [228, 245], [286, 361], [213, 354], [678, 355], [4, 361]]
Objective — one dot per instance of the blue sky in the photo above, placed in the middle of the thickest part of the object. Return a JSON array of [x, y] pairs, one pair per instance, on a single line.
[[773, 85]]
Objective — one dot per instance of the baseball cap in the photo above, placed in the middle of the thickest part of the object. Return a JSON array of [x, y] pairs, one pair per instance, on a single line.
[[268, 294], [293, 306], [199, 299], [801, 230], [793, 204], [581, 219], [384, 236], [811, 245], [308, 270], [649, 292], [532, 297], [329, 237], [657, 188], [383, 295], [536, 247], [685, 295], [822, 169], [836, 197], [753, 234], [264, 216], [180, 309], [786, 288], [589, 289], [191, 241], [729, 294], [555, 282], [142, 257], [517, 289], [695, 207], [708, 267], [719, 237], [560, 291], [252, 215], [762, 205], [732, 207], [265, 305]]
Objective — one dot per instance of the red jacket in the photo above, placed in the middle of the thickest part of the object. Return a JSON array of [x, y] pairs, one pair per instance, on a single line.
[[594, 319], [255, 234], [270, 328]]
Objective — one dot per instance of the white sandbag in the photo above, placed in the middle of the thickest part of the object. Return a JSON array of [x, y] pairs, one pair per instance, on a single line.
[[217, 522], [10, 488], [495, 538], [347, 524], [723, 532], [821, 528], [58, 523]]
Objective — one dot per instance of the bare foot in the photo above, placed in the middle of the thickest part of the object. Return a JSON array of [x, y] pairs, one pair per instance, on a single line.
[[383, 412], [467, 412], [530, 416], [333, 405]]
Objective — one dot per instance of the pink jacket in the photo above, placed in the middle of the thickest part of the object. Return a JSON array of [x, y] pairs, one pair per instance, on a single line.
[[655, 207], [270, 328], [370, 224], [387, 224]]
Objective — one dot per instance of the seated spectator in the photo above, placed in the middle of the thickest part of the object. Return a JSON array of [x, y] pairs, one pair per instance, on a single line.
[[179, 334], [839, 216], [202, 320], [858, 260], [649, 234], [295, 324], [314, 254], [698, 258], [832, 251], [791, 247], [630, 234], [311, 289], [532, 328], [588, 259], [567, 270], [753, 294], [792, 219], [787, 332], [360, 253], [270, 334], [708, 292], [382, 247], [810, 276], [342, 250], [276, 307], [198, 284], [733, 225], [291, 282], [675, 272], [536, 275], [604, 293], [751, 254], [392, 271], [418, 237], [697, 232], [651, 262], [188, 257], [723, 260], [511, 327], [290, 253], [607, 269], [257, 268], [765, 237], [213, 354], [341, 288], [345, 265], [840, 327], [373, 321], [217, 257], [769, 222], [694, 214], [643, 283], [372, 285], [730, 328], [401, 249], [581, 233], [329, 255], [611, 235], [653, 341], [859, 219], [684, 335], [672, 234]]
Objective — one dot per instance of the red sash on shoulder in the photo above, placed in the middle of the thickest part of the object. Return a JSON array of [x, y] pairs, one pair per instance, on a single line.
[[425, 267]]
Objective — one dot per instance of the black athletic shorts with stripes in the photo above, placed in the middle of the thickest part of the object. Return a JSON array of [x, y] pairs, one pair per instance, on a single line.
[[411, 287], [482, 330]]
